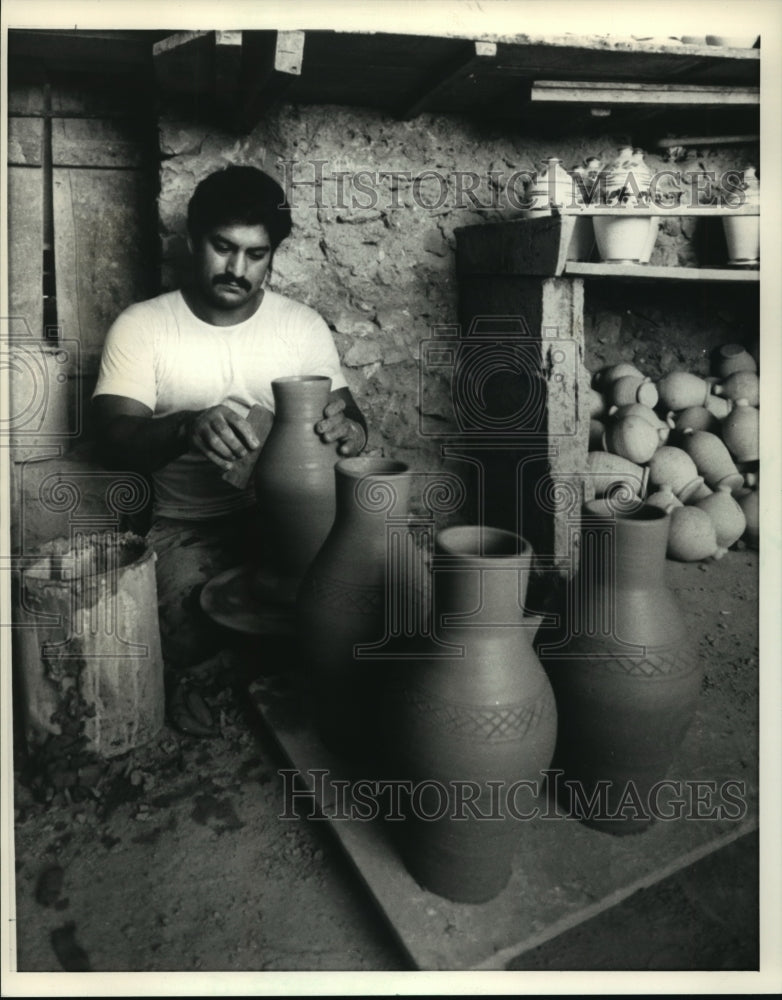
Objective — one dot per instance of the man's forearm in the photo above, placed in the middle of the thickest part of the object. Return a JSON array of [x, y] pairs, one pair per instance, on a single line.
[[143, 444]]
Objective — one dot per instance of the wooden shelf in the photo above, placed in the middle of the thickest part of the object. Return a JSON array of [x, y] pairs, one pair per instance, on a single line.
[[646, 272]]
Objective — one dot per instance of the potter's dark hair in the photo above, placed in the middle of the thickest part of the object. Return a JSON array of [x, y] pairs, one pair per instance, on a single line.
[[239, 195]]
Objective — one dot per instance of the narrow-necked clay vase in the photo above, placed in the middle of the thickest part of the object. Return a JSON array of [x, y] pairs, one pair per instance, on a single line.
[[692, 536], [624, 671], [696, 418], [484, 714], [718, 406], [740, 385], [342, 600], [607, 472], [734, 358], [670, 466], [741, 432], [727, 517], [712, 459], [610, 373], [294, 486], [678, 390], [633, 389], [646, 413], [664, 498], [632, 437]]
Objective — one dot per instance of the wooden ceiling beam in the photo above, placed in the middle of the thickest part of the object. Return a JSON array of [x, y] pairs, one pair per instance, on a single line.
[[471, 58], [610, 93], [271, 62]]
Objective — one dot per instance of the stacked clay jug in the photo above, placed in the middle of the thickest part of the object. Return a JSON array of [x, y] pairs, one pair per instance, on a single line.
[[342, 601], [625, 675], [294, 485], [482, 711]]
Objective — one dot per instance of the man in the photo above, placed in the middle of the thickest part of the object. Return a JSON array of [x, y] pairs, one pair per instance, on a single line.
[[178, 377]]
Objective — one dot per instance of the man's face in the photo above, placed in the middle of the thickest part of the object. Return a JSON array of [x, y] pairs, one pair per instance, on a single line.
[[231, 262]]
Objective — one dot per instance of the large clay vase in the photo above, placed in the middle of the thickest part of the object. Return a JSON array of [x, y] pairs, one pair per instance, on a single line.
[[294, 486], [481, 711], [625, 675], [342, 601]]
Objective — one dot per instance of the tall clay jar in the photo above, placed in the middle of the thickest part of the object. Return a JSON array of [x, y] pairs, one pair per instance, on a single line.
[[294, 485], [481, 712], [342, 600], [624, 672]]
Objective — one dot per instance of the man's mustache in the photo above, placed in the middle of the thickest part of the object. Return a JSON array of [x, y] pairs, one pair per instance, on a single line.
[[229, 279]]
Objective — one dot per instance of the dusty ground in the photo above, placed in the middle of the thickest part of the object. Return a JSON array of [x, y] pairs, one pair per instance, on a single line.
[[176, 859]]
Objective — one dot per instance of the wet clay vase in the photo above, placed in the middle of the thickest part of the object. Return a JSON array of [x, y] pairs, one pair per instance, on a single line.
[[342, 600], [727, 517], [740, 385], [741, 432], [696, 418], [294, 487], [625, 675], [664, 498], [483, 711], [646, 413], [712, 459], [692, 536]]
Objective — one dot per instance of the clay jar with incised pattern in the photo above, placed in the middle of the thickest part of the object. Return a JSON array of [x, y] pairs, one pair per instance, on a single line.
[[342, 601], [624, 671], [480, 711]]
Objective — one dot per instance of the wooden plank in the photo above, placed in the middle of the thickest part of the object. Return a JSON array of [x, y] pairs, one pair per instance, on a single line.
[[25, 142], [184, 62], [25, 251], [464, 65], [524, 246], [670, 95], [645, 272], [563, 872], [227, 64], [100, 243], [271, 62]]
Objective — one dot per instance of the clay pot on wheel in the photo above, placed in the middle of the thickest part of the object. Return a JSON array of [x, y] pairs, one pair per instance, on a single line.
[[294, 486], [482, 712], [624, 672]]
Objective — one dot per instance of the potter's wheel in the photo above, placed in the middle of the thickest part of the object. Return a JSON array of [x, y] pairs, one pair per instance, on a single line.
[[231, 599]]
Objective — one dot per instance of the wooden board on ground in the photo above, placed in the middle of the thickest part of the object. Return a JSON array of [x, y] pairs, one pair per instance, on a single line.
[[563, 873]]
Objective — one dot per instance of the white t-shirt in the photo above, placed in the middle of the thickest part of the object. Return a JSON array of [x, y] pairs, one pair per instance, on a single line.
[[159, 353]]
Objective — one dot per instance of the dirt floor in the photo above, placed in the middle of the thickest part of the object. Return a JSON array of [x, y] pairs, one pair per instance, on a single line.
[[174, 856]]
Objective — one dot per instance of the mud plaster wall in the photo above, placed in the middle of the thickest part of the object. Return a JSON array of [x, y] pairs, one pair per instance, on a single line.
[[377, 260]]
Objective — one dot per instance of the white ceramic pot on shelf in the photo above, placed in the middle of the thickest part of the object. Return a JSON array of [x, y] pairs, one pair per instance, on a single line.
[[626, 239]]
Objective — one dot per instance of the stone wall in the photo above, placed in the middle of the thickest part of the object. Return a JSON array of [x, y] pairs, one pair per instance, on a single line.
[[374, 253]]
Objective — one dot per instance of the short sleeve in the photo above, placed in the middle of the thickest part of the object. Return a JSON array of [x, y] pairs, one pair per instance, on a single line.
[[319, 353], [127, 366]]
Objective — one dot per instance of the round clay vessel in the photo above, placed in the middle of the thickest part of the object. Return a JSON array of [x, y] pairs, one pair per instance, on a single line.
[[696, 418], [718, 406], [625, 239], [678, 390], [740, 385], [741, 432], [712, 459], [611, 373], [692, 536], [646, 413], [726, 515], [481, 712], [294, 481], [632, 389], [734, 358], [632, 437], [624, 671], [342, 601], [749, 501], [670, 466], [608, 473], [597, 404], [664, 498]]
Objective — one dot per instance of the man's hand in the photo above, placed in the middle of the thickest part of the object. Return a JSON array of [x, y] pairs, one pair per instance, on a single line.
[[222, 435], [335, 426]]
